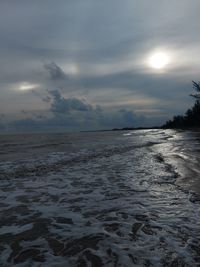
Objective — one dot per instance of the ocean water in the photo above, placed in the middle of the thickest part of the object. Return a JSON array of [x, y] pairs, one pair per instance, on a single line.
[[127, 198]]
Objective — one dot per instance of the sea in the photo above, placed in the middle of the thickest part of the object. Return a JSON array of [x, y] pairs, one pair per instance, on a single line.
[[118, 198]]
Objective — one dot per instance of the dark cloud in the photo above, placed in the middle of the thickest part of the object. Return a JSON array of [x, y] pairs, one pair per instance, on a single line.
[[65, 106], [44, 98], [75, 114], [95, 119], [55, 72], [2, 127], [2, 115], [61, 105], [92, 53]]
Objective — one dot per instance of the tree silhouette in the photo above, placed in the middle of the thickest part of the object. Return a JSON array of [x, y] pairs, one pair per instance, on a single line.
[[196, 87], [191, 117]]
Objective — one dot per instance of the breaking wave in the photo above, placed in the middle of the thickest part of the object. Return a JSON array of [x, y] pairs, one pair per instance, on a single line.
[[101, 199]]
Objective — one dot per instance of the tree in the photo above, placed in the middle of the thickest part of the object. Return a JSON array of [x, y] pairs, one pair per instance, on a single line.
[[192, 115], [196, 87]]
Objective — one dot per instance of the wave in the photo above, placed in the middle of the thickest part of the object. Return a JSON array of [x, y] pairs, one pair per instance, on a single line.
[[117, 202]]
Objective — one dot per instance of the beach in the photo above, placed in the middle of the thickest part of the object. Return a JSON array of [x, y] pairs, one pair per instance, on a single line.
[[124, 198]]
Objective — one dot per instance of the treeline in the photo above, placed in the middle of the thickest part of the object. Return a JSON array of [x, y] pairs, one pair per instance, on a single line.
[[192, 115]]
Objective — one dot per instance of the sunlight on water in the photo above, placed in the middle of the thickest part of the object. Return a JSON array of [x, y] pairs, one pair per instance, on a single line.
[[112, 199]]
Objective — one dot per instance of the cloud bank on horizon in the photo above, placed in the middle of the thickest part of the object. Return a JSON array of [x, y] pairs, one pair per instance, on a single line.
[[79, 65]]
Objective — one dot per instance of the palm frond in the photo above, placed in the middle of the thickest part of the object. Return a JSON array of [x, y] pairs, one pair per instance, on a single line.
[[196, 86]]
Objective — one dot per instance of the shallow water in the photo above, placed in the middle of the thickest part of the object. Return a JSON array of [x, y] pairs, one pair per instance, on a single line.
[[100, 199]]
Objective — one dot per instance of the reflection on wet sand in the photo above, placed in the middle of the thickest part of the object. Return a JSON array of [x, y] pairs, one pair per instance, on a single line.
[[117, 201]]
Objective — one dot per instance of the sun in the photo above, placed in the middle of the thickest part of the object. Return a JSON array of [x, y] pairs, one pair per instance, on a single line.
[[159, 60]]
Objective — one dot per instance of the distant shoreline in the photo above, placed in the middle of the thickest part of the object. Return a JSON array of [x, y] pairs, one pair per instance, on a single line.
[[143, 128], [122, 129]]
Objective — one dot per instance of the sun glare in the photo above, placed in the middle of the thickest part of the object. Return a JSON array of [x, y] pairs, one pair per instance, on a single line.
[[159, 60]]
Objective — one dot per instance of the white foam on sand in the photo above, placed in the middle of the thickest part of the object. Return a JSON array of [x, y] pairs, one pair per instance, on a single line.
[[118, 204]]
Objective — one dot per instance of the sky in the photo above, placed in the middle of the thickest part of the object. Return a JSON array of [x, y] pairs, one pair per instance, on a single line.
[[86, 65]]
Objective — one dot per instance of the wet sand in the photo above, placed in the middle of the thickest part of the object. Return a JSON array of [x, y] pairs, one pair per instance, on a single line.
[[101, 199]]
